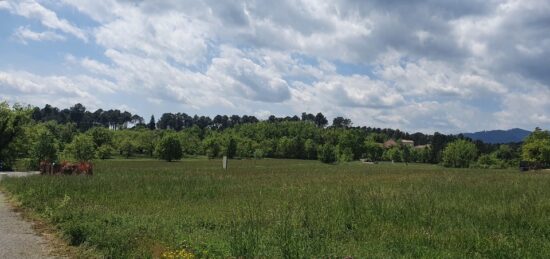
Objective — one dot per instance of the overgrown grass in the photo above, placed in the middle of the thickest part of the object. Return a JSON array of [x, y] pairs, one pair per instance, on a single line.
[[294, 209]]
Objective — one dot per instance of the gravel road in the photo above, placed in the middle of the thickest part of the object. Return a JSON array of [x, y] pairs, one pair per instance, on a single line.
[[17, 238]]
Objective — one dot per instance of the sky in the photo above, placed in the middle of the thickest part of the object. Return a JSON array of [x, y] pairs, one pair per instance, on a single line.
[[417, 65]]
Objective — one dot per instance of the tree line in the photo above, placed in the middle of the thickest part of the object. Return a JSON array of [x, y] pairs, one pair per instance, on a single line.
[[50, 134]]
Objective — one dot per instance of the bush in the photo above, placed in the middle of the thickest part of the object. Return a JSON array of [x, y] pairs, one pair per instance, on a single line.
[[327, 154], [169, 148], [460, 154], [490, 162], [104, 152]]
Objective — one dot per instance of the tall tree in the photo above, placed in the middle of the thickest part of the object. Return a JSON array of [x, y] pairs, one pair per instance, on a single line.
[[341, 122], [152, 123], [320, 120], [11, 127]]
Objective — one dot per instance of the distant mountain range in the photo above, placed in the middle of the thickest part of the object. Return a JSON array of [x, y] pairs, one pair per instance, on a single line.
[[499, 136]]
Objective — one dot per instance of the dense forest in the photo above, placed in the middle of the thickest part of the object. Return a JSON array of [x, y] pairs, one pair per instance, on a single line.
[[49, 133]]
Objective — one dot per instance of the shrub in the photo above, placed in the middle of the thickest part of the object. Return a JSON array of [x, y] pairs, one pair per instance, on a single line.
[[490, 161], [169, 148]]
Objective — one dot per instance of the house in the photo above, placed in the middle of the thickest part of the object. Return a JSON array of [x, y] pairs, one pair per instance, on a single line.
[[406, 142], [390, 143], [422, 147]]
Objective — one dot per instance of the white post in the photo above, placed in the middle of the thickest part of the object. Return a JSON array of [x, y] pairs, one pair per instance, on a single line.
[[224, 162]]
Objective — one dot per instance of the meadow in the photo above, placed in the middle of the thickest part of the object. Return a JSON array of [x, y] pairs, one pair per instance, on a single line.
[[294, 209]]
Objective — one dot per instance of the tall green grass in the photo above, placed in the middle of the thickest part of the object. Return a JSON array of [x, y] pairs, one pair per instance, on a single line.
[[295, 209]]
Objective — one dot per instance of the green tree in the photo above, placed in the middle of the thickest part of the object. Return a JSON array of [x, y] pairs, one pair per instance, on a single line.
[[212, 145], [152, 124], [406, 154], [341, 122], [246, 147], [146, 141], [505, 152], [536, 147], [82, 148], [459, 153], [127, 148], [104, 152], [373, 150], [285, 147], [350, 140], [45, 148], [327, 153], [11, 127], [231, 148], [258, 153], [376, 137], [345, 154], [320, 120], [190, 140], [310, 149], [393, 154], [169, 148], [101, 136]]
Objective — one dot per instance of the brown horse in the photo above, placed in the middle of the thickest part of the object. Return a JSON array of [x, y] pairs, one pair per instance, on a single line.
[[66, 168]]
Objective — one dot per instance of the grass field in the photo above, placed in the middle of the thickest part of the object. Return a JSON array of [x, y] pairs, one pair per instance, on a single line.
[[293, 208]]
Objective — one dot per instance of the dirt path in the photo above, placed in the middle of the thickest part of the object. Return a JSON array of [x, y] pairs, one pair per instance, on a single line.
[[17, 238]]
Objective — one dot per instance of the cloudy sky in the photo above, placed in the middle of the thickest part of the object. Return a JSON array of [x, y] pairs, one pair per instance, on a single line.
[[418, 65]]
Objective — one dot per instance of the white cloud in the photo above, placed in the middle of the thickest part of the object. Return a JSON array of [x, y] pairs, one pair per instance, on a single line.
[[168, 36], [426, 78], [353, 91], [24, 87], [421, 65], [33, 10], [23, 34], [241, 76]]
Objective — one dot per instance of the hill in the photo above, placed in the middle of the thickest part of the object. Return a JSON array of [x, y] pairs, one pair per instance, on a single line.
[[499, 136]]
